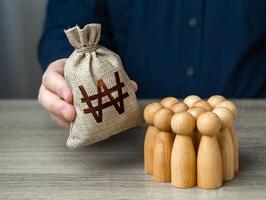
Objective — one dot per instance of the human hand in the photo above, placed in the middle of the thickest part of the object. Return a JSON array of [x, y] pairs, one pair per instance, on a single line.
[[55, 95]]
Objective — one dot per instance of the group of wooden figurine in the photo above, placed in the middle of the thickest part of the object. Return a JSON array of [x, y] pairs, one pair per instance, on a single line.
[[191, 142]]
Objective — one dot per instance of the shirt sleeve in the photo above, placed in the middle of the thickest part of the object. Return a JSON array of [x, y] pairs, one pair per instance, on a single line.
[[63, 14]]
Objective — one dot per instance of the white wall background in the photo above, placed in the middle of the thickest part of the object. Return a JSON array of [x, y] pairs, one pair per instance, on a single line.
[[21, 24]]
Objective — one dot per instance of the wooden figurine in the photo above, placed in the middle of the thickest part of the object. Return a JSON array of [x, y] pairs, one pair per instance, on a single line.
[[225, 142], [233, 134], [209, 160], [203, 104], [215, 99], [191, 99], [168, 102], [163, 145], [196, 112], [179, 107], [229, 105], [183, 159], [150, 136], [232, 107]]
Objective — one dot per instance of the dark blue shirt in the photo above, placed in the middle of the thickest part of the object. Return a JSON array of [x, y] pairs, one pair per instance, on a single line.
[[172, 47]]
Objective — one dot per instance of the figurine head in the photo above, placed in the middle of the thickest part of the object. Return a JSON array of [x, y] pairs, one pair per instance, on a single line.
[[209, 124], [150, 111], [183, 123]]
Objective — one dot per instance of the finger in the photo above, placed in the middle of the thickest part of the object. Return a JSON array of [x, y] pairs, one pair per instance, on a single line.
[[53, 79], [134, 86], [55, 82], [57, 66], [54, 104], [59, 121]]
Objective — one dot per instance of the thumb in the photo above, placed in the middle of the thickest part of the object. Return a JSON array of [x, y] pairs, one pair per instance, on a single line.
[[134, 85]]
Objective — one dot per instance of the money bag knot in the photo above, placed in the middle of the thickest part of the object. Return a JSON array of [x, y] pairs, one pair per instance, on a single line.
[[85, 39]]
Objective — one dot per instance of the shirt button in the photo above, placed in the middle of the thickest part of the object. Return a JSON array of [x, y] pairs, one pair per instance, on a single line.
[[190, 71], [193, 22]]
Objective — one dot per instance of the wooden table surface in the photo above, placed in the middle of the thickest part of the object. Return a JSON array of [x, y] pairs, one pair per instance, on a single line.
[[36, 164]]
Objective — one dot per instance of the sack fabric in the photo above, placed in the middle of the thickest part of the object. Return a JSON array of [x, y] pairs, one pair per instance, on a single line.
[[104, 100]]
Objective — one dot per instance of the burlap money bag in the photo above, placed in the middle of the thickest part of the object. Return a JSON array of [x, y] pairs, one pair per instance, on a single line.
[[104, 100]]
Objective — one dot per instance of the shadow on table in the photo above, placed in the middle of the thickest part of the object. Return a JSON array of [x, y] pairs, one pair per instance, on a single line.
[[117, 153]]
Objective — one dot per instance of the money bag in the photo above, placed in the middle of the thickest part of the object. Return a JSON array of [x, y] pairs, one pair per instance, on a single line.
[[103, 97]]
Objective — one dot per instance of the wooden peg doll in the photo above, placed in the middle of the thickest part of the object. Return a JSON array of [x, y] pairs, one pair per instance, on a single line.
[[203, 104], [229, 105], [163, 145], [215, 99], [225, 142], [234, 137], [176, 108], [168, 102], [150, 136], [196, 112], [209, 160], [179, 107], [183, 159], [232, 107], [191, 99]]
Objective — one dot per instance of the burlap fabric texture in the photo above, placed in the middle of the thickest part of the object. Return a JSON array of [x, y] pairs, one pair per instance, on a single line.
[[104, 100]]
